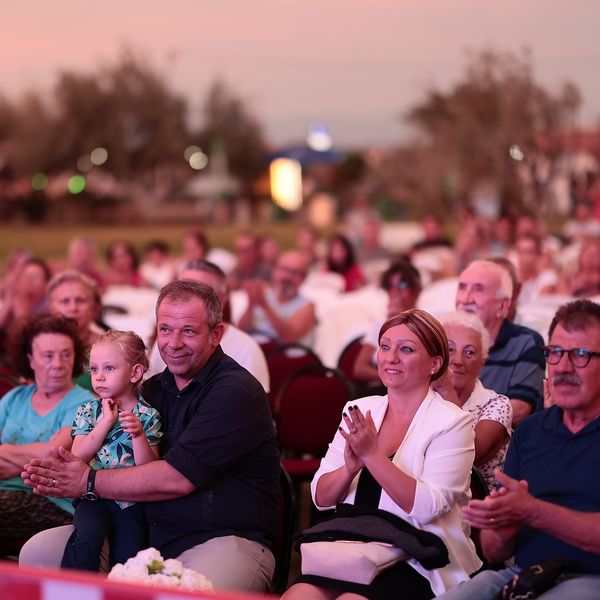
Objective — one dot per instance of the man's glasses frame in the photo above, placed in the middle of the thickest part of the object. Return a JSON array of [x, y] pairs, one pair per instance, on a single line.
[[579, 357]]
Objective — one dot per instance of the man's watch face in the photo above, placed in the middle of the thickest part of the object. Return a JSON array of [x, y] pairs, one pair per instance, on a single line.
[[90, 496]]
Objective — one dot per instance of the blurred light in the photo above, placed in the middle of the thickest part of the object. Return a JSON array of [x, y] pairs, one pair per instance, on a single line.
[[322, 210], [189, 151], [99, 156], [84, 163], [516, 153], [198, 160], [39, 181], [286, 183], [76, 184], [318, 137]]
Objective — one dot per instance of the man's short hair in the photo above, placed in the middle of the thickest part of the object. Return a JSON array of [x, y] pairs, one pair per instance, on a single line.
[[576, 316], [184, 289]]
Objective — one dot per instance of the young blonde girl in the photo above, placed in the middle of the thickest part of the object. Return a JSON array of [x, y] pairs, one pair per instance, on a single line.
[[119, 429]]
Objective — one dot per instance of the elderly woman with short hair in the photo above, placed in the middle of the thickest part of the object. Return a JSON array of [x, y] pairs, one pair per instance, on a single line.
[[468, 343], [77, 296], [36, 417]]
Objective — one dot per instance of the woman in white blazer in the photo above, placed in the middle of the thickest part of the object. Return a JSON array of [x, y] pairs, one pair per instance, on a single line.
[[409, 453]]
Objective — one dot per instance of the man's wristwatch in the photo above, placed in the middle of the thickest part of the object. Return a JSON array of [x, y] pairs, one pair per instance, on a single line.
[[90, 490]]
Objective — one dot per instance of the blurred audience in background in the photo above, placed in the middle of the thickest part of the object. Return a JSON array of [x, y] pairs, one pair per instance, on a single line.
[[25, 293], [309, 243], [402, 282], [534, 278], [76, 296], [122, 265], [193, 247], [158, 268], [341, 258], [278, 310], [82, 257], [248, 266], [269, 253]]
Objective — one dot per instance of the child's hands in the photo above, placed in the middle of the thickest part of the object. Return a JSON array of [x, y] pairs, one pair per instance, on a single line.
[[109, 410], [130, 423]]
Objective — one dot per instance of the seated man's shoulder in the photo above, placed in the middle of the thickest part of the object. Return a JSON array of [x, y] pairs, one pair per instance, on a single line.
[[231, 375], [515, 330], [540, 420], [517, 337]]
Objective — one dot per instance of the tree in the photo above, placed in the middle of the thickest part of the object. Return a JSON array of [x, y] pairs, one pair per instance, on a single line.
[[127, 109], [487, 128], [229, 125]]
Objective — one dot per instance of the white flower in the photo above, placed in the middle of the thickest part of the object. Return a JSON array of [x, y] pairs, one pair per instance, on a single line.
[[146, 556], [149, 567], [129, 571], [172, 567], [193, 580], [166, 580]]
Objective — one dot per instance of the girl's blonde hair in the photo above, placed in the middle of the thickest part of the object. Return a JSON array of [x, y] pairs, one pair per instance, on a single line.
[[132, 346]]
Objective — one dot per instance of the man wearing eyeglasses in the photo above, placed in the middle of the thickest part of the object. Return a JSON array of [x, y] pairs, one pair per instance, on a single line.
[[549, 502], [279, 311]]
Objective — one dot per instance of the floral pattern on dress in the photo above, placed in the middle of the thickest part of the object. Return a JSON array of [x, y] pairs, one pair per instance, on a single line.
[[117, 449], [487, 405]]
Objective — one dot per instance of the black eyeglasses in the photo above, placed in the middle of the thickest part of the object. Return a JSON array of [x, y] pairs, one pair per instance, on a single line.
[[579, 357]]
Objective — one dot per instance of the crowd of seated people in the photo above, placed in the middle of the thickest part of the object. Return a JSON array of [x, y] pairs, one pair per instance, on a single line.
[[480, 359]]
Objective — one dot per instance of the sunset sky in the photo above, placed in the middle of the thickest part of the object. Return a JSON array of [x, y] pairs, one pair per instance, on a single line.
[[356, 65]]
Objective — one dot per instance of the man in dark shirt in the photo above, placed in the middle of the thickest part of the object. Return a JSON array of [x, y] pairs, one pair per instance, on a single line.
[[549, 502], [213, 496]]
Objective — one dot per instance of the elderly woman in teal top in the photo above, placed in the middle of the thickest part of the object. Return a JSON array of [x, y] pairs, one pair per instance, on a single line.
[[36, 417]]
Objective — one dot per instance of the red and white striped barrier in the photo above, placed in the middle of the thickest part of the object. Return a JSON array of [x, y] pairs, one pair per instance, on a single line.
[[26, 583]]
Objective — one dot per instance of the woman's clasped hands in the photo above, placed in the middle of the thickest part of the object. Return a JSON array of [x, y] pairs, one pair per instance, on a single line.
[[361, 437]]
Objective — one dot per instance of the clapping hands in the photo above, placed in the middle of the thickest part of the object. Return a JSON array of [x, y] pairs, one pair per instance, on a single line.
[[361, 438]]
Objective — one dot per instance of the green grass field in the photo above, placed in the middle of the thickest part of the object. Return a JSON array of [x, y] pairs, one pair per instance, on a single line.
[[50, 242]]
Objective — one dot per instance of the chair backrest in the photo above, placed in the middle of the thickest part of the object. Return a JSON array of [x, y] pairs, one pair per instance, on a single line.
[[348, 358], [285, 531], [310, 409], [283, 362], [479, 490]]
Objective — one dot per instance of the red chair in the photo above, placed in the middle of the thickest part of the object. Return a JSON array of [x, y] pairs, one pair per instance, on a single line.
[[267, 344], [283, 362], [310, 410], [285, 532], [348, 358]]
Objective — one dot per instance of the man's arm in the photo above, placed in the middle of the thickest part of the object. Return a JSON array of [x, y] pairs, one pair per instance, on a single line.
[[502, 513], [138, 484], [63, 475]]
